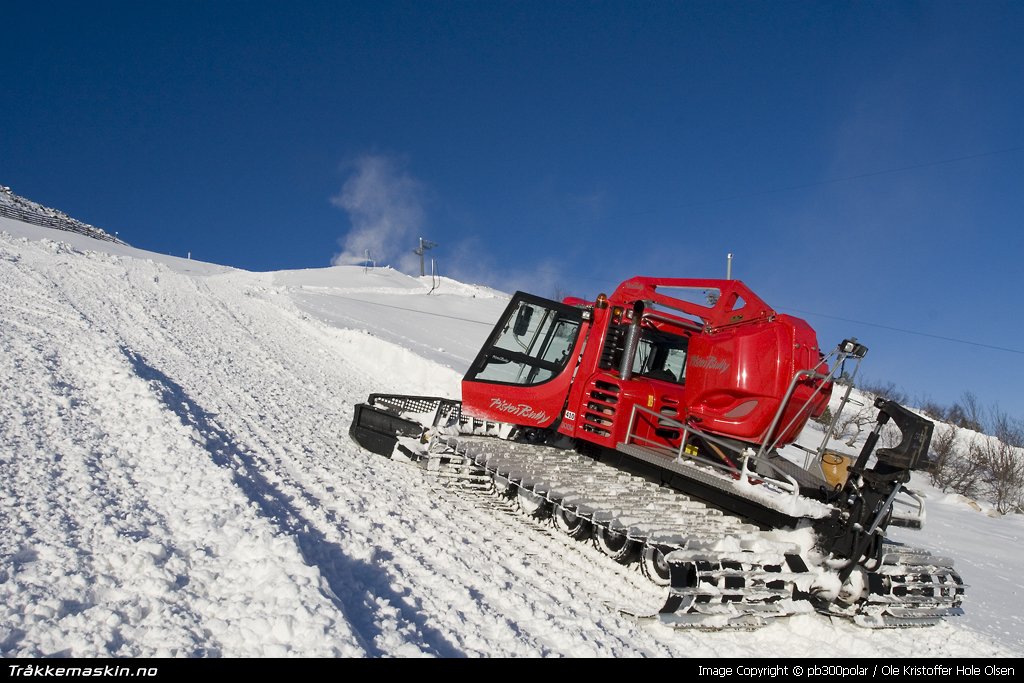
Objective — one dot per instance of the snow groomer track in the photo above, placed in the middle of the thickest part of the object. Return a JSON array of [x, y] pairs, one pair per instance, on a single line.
[[720, 572]]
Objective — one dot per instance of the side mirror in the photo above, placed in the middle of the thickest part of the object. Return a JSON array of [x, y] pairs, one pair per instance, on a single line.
[[523, 320]]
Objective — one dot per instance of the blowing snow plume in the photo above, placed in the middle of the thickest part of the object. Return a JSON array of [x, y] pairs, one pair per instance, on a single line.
[[385, 209]]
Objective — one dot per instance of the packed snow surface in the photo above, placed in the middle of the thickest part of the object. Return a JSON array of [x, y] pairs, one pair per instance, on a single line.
[[178, 480]]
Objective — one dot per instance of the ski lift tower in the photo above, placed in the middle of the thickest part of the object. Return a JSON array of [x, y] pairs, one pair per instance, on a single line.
[[424, 245]]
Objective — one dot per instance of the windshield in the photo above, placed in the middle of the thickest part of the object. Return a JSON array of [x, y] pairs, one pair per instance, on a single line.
[[532, 345]]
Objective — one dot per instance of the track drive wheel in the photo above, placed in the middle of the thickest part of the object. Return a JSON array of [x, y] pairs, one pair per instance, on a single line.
[[653, 565], [616, 545], [571, 524]]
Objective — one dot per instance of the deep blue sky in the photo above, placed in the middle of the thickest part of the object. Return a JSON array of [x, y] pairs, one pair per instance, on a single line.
[[863, 161]]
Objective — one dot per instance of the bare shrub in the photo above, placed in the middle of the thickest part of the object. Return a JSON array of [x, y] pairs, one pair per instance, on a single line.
[[1006, 429], [966, 413], [934, 410], [885, 390], [1002, 473], [825, 419], [989, 468], [949, 468], [890, 436], [853, 423], [973, 413]]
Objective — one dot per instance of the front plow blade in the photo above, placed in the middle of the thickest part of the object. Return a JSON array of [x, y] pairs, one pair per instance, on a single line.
[[384, 419], [379, 430]]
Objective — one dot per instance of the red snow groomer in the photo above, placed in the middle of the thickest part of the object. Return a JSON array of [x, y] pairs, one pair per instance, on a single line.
[[638, 419]]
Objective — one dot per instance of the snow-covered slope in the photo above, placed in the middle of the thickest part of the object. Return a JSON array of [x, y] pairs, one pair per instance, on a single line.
[[178, 480]]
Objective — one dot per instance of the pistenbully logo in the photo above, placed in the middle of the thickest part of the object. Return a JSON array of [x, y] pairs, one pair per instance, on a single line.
[[709, 363], [519, 410]]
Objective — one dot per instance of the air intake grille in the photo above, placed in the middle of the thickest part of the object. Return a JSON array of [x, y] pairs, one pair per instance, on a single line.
[[599, 417]]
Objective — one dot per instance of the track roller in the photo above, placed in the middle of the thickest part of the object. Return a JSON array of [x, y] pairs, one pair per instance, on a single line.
[[532, 504], [572, 524], [503, 487], [653, 565], [616, 545]]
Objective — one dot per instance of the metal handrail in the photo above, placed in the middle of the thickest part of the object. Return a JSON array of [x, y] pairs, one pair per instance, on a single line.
[[790, 484], [840, 358], [810, 374]]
